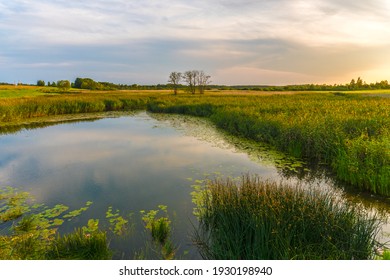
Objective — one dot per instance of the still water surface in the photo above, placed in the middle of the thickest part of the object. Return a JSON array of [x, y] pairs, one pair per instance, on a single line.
[[131, 163]]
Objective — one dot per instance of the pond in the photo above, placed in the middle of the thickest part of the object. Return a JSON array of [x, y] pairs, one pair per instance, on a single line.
[[132, 163]]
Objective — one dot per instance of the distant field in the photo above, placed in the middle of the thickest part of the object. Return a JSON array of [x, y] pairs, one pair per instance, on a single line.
[[19, 91], [372, 92], [11, 91]]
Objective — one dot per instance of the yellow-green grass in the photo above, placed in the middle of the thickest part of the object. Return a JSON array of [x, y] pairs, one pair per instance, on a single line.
[[19, 109], [372, 92], [8, 91], [20, 91]]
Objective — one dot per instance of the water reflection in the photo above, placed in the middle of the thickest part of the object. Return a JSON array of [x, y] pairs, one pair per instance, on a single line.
[[130, 163]]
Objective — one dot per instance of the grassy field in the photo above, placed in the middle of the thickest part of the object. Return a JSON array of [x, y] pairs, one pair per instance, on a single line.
[[8, 91], [347, 132]]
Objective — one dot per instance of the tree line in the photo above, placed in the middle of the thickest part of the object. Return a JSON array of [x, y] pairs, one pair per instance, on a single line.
[[90, 84], [198, 81], [357, 84]]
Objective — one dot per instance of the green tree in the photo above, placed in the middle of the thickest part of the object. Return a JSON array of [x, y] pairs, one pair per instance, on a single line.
[[40, 83], [352, 84], [359, 83], [78, 82], [63, 84], [384, 84]]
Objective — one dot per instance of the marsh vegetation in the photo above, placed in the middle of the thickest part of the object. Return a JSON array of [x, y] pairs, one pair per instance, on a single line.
[[345, 134]]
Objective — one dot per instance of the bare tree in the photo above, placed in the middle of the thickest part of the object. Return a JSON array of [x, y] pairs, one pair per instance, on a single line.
[[202, 80], [174, 80], [191, 78]]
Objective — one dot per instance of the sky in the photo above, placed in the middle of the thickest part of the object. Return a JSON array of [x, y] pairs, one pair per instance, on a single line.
[[246, 42]]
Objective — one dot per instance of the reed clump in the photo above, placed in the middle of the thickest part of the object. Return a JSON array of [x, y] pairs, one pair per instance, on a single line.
[[255, 219], [79, 246]]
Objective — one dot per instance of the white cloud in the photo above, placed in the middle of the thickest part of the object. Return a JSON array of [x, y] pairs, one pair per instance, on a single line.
[[88, 22], [156, 36]]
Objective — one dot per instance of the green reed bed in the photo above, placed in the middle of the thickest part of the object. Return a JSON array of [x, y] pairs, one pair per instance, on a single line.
[[348, 133], [253, 219]]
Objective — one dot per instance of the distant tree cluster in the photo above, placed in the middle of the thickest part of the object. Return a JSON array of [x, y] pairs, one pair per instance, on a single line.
[[194, 79], [197, 81], [53, 84], [63, 85], [88, 83], [357, 84]]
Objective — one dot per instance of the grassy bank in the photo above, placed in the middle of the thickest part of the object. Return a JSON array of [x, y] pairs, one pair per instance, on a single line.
[[253, 219], [19, 109], [348, 133]]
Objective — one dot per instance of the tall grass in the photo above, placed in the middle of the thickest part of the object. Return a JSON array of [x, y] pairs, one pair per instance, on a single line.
[[254, 219], [17, 109], [350, 134]]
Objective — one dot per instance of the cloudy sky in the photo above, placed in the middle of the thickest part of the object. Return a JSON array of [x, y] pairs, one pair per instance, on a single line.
[[236, 42]]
